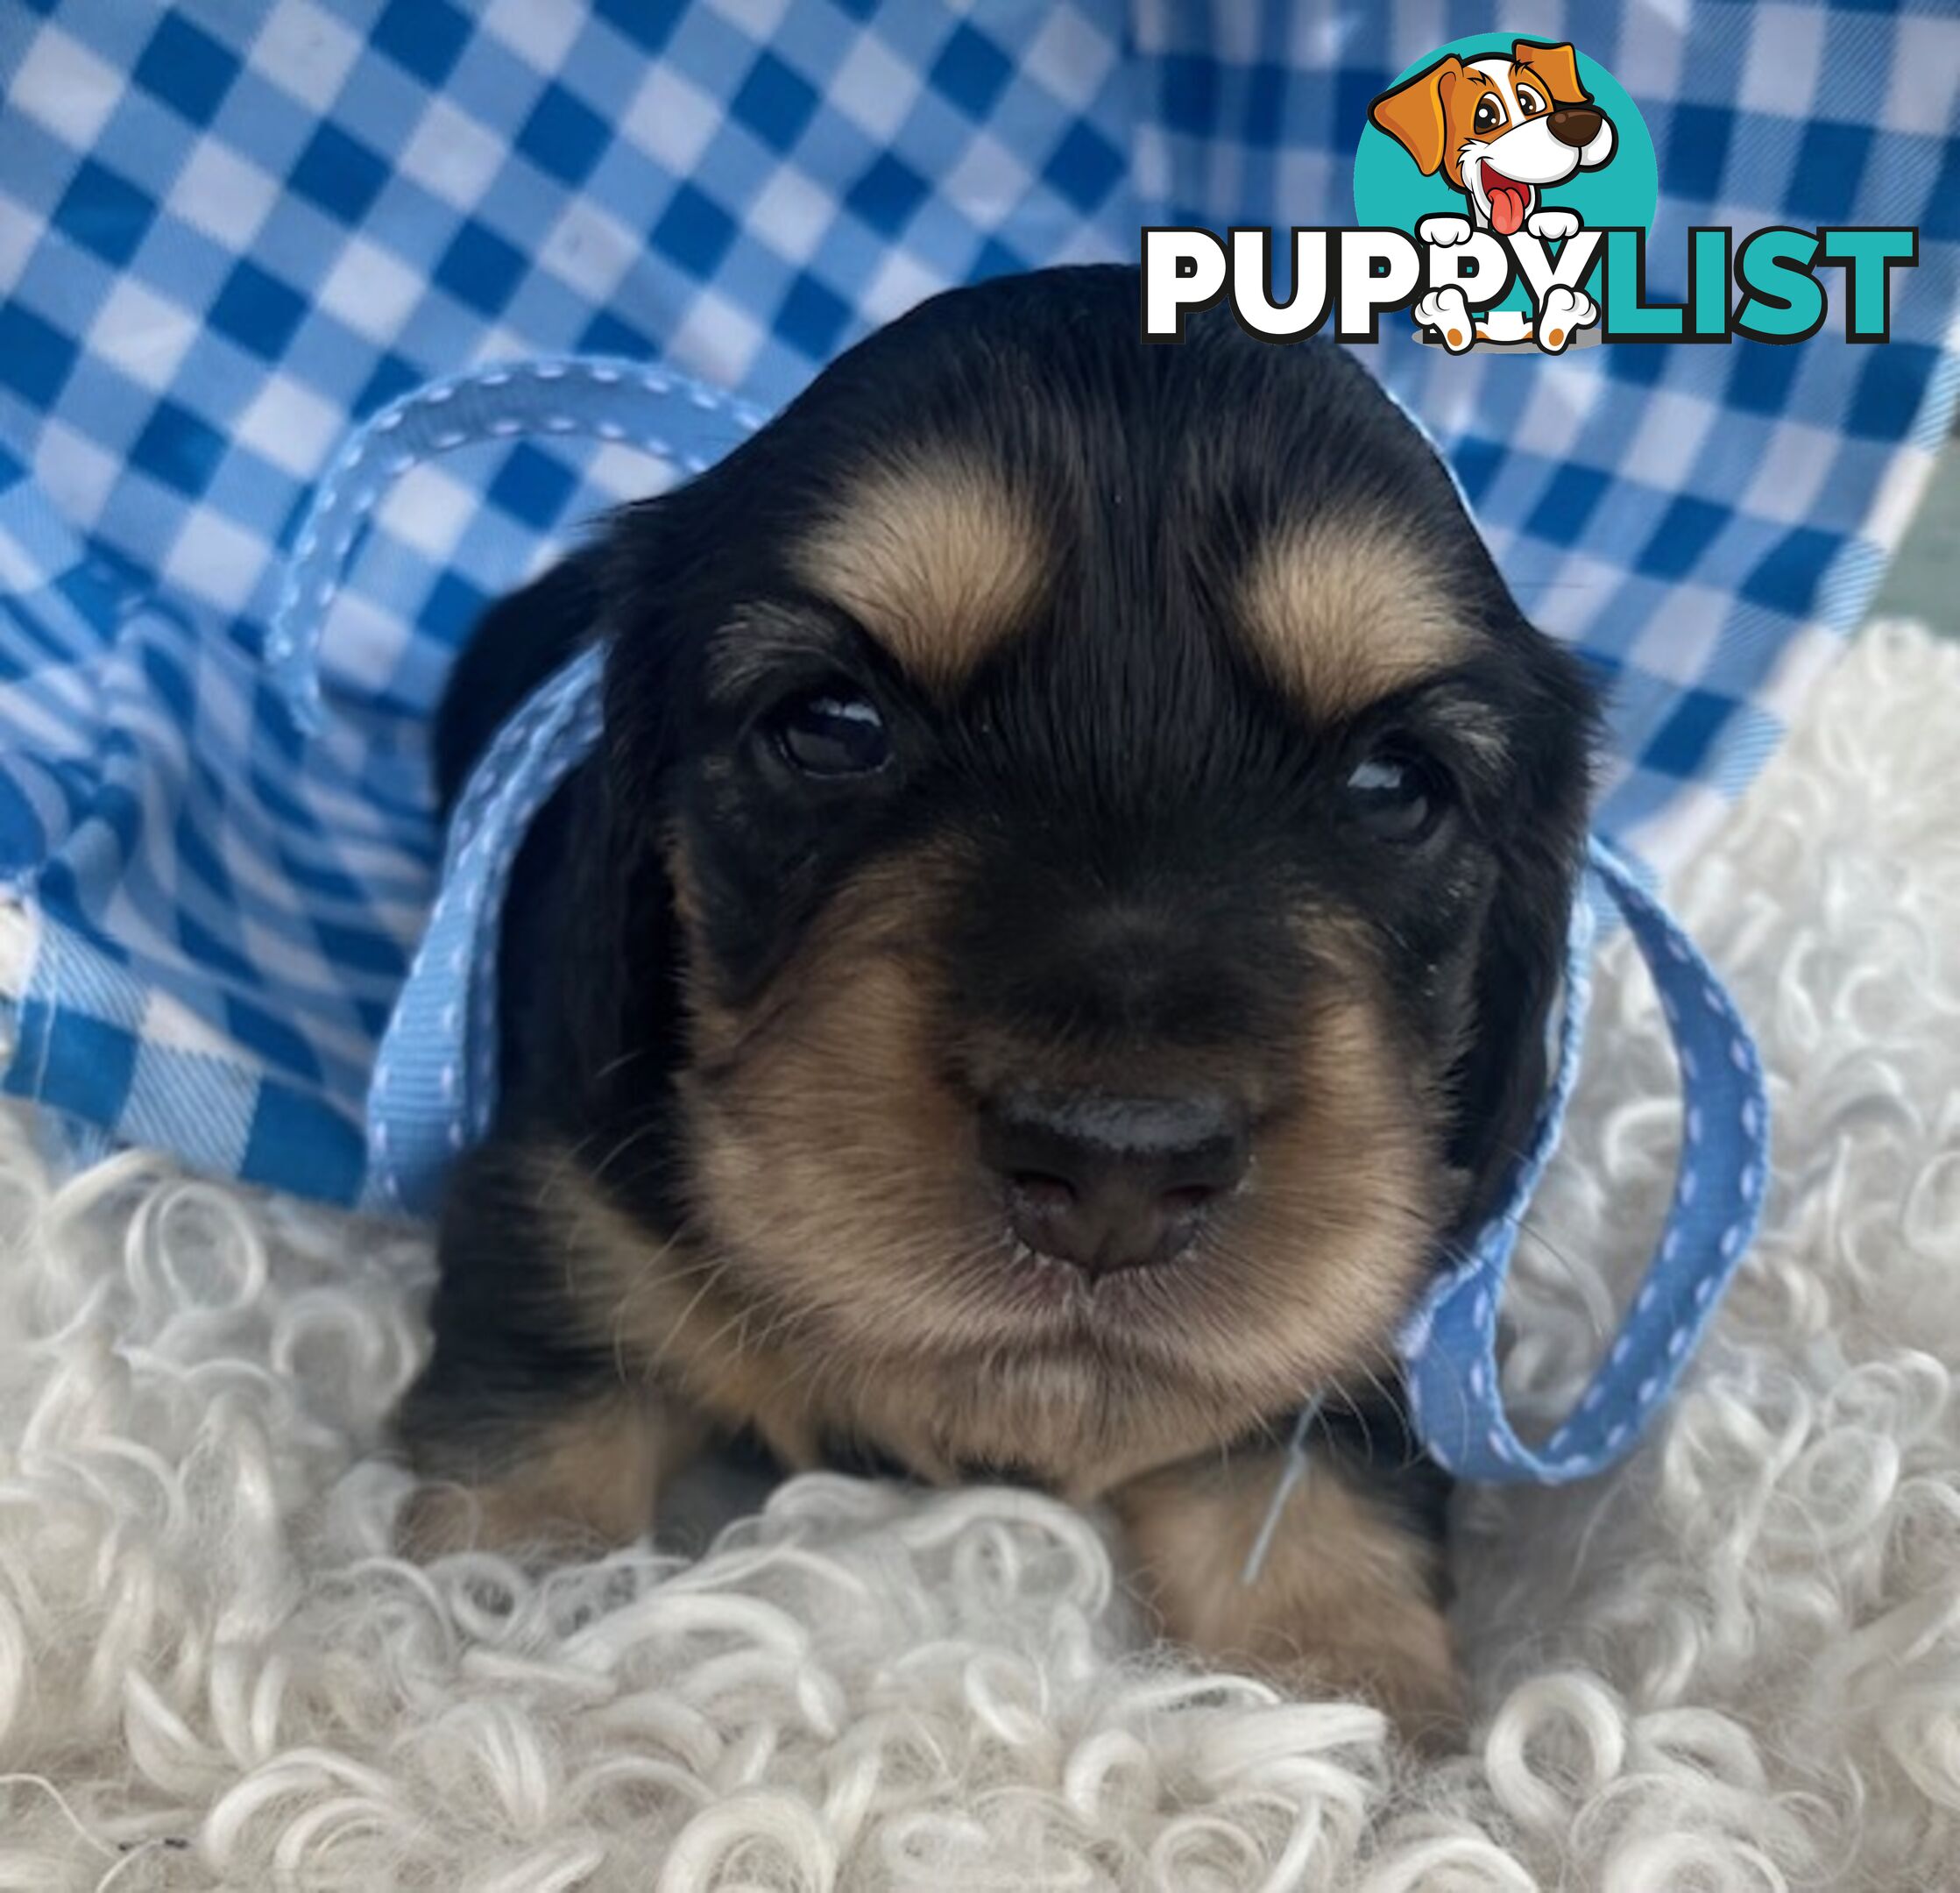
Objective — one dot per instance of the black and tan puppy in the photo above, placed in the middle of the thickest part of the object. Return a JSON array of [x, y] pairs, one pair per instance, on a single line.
[[1057, 937]]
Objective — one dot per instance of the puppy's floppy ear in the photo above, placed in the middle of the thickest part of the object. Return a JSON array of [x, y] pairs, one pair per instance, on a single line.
[[1500, 1080], [653, 653], [1412, 113], [589, 968], [1558, 66], [519, 642], [626, 1015]]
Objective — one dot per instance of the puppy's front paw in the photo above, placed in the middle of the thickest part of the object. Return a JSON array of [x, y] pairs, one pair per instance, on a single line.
[[1553, 226], [534, 1514], [581, 1479], [1411, 1675], [1345, 1604], [437, 1521], [1565, 312], [1445, 232], [1446, 311]]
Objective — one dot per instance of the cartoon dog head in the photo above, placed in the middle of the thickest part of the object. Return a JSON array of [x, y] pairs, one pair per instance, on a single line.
[[1499, 130]]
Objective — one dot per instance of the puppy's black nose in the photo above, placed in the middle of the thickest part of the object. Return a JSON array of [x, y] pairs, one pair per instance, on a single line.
[[1110, 1183], [1576, 125]]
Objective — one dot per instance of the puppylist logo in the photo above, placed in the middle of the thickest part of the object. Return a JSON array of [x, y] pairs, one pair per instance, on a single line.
[[1504, 191]]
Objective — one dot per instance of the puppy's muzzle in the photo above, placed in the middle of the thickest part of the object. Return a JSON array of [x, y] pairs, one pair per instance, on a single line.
[[1576, 125], [1110, 1183]]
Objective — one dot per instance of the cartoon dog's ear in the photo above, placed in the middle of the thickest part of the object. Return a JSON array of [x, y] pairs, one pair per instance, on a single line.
[[1558, 66], [1412, 113]]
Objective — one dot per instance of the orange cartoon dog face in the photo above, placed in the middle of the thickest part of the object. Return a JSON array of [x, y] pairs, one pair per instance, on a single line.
[[1499, 130]]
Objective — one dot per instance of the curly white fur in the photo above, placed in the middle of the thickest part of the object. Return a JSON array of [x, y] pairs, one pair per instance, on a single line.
[[1734, 1666]]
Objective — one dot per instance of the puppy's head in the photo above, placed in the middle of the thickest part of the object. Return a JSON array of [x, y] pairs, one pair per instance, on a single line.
[[1499, 129], [1110, 833]]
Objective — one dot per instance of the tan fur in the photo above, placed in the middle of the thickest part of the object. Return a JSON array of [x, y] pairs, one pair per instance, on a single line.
[[757, 642], [1346, 1600], [850, 1276], [836, 1175], [588, 1475], [1557, 66], [845, 1286], [935, 557], [1344, 610], [1472, 724]]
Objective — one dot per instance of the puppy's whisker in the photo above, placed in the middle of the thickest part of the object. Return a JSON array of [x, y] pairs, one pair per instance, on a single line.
[[615, 1065], [602, 1170], [1528, 1231], [713, 1274]]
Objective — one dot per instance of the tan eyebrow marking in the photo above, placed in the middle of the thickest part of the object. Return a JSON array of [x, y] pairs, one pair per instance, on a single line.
[[1345, 610], [934, 556], [757, 640], [1475, 726]]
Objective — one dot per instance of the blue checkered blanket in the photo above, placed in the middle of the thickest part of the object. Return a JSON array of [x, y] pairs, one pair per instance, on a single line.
[[228, 232]]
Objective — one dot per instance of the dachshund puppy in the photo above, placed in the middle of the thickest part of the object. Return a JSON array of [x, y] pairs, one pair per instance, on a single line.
[[1055, 943]]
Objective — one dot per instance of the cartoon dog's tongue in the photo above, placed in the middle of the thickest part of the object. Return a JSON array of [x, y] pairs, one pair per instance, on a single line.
[[1508, 201]]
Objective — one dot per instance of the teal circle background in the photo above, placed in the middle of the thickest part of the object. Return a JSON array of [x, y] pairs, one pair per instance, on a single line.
[[1625, 190]]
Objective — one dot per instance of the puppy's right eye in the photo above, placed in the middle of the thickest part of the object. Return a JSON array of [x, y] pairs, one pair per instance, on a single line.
[[831, 733], [1394, 796], [1489, 115]]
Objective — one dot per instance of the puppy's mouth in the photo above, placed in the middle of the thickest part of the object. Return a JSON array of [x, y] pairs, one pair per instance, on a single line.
[[1065, 1307], [1511, 202]]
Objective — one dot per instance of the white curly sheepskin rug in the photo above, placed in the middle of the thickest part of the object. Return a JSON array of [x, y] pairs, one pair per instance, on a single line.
[[1736, 1665]]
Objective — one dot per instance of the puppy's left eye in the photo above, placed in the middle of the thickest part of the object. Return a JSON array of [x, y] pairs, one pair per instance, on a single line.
[[831, 733], [1528, 101], [1394, 797]]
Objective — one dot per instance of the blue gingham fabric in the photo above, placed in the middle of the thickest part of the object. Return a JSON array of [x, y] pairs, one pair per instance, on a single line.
[[228, 232]]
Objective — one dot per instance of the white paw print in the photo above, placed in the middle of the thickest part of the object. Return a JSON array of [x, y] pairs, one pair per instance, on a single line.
[[1443, 231], [1447, 312], [1551, 226], [1564, 312]]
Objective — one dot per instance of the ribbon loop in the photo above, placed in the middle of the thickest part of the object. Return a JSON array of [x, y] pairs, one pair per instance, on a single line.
[[1450, 1344], [434, 1088], [664, 414], [434, 1091]]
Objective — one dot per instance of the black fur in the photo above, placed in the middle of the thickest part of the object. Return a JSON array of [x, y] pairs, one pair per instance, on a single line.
[[1122, 738]]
